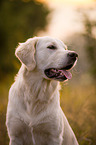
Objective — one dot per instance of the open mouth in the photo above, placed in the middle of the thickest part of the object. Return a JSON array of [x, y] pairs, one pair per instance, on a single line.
[[59, 74]]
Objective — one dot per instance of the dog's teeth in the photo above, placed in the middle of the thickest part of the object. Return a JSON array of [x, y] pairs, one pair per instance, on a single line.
[[53, 70]]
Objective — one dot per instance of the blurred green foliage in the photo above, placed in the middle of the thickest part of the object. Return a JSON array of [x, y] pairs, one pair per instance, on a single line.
[[19, 20], [90, 32]]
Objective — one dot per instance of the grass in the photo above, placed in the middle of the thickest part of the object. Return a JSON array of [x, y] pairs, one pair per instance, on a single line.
[[79, 104], [4, 88]]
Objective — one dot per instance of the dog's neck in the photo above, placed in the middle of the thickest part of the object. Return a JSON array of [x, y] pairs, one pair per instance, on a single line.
[[38, 89]]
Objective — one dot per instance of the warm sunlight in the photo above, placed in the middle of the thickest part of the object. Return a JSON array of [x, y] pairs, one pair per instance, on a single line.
[[77, 2], [65, 10]]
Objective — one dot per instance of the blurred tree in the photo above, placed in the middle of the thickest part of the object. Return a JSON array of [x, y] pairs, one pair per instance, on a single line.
[[90, 36], [19, 20]]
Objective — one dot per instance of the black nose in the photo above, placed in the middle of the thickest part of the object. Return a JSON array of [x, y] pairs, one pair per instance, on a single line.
[[72, 55]]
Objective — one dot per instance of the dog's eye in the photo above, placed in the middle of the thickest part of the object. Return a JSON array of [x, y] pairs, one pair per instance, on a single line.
[[51, 47]]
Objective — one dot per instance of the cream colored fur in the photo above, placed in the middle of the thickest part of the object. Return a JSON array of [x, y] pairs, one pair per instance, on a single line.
[[34, 115]]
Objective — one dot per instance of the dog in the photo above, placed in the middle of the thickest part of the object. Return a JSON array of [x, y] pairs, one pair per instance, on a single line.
[[34, 115]]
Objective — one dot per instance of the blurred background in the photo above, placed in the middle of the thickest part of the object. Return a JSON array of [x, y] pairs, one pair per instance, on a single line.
[[72, 21]]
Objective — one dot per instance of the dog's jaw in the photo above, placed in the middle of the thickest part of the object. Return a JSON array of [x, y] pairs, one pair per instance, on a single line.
[[59, 74]]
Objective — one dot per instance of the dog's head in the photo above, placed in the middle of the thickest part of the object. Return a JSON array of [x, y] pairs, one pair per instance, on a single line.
[[47, 55]]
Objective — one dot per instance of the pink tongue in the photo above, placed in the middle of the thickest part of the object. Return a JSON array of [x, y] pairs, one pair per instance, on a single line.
[[67, 74]]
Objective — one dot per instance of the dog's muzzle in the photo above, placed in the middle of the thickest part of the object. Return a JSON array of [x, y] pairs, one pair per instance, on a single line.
[[62, 74]]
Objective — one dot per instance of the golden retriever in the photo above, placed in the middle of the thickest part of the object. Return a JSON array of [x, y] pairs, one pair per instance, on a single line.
[[34, 115]]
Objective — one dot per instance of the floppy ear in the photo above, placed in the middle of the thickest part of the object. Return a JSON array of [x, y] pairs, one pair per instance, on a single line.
[[25, 53]]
